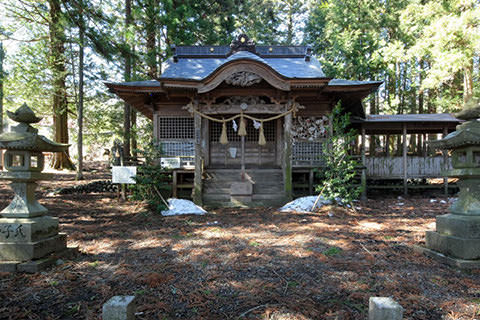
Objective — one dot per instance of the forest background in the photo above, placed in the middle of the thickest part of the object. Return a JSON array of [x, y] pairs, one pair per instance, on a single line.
[[55, 54]]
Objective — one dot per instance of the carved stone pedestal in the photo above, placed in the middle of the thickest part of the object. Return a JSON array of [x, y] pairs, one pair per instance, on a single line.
[[29, 240], [457, 237]]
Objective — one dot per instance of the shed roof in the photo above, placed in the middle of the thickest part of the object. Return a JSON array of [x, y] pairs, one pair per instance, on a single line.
[[414, 123], [437, 117]]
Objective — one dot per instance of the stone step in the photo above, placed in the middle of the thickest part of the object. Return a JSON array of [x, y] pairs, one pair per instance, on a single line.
[[225, 188]]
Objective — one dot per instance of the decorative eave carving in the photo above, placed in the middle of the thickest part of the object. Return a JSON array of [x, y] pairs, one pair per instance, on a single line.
[[243, 79], [233, 67], [255, 105]]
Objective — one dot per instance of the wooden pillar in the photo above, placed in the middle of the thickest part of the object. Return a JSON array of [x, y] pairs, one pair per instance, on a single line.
[[311, 175], [364, 169], [387, 145], [425, 146], [405, 173], [287, 156], [242, 158], [445, 164], [174, 183], [197, 180]]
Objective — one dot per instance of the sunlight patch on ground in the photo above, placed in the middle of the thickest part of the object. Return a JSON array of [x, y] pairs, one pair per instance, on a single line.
[[369, 225], [100, 246], [146, 243]]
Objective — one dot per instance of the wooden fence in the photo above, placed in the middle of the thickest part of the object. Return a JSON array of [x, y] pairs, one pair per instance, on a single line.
[[417, 167]]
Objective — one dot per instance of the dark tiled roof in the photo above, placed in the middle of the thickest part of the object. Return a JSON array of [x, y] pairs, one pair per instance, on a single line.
[[343, 82], [224, 51], [196, 68], [146, 83], [439, 117]]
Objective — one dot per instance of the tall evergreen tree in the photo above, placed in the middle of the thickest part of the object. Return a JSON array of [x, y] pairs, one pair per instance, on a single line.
[[59, 73], [2, 57], [128, 57]]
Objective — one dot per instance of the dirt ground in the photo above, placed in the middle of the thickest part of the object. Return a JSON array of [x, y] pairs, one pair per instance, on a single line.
[[240, 264]]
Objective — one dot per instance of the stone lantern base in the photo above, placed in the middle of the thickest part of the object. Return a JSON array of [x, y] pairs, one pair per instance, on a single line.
[[456, 241], [31, 244], [29, 240]]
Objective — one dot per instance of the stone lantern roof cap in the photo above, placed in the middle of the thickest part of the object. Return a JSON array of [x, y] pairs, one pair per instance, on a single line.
[[24, 114], [25, 137], [471, 111], [467, 134]]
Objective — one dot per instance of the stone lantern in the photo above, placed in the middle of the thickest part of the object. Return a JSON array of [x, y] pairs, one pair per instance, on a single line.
[[29, 239], [456, 240]]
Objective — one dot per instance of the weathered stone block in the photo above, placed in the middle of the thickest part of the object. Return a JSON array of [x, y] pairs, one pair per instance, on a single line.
[[242, 188], [384, 308], [27, 230], [240, 200], [467, 227], [468, 249], [32, 250], [454, 262], [34, 266], [8, 266], [119, 308]]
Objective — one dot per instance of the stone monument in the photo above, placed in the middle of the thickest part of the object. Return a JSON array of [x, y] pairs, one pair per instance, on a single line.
[[29, 238], [456, 240]]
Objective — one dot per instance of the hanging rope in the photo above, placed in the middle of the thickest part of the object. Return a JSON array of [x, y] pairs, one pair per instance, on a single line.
[[242, 130], [261, 136], [223, 136]]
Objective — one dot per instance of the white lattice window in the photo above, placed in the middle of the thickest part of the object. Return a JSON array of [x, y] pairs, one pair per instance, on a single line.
[[176, 137], [175, 128], [178, 148]]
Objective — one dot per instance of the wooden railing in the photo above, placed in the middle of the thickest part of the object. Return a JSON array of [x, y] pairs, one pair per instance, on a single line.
[[417, 167]]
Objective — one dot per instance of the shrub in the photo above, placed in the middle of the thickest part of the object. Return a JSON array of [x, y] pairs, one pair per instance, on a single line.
[[152, 181], [339, 166]]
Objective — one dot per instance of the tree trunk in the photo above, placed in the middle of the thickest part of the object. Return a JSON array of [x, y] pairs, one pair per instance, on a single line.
[[2, 56], [290, 23], [151, 28], [80, 102], [128, 75], [468, 82], [133, 133], [61, 160], [373, 140], [420, 150]]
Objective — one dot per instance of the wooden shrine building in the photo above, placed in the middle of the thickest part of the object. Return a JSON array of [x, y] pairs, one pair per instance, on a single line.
[[242, 118]]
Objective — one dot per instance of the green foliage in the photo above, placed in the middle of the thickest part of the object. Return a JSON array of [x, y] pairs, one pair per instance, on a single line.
[[332, 251], [424, 51], [339, 166], [153, 182]]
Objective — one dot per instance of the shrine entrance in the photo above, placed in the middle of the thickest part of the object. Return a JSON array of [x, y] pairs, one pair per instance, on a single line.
[[255, 155], [243, 143]]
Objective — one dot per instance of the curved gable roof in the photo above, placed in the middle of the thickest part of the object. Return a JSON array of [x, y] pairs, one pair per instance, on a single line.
[[197, 69]]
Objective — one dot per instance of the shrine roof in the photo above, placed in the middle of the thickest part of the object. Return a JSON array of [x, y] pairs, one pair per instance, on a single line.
[[191, 67]]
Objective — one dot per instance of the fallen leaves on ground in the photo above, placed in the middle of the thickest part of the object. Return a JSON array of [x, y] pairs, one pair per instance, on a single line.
[[240, 263]]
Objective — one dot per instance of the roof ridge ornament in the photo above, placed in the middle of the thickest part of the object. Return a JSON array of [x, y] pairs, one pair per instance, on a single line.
[[242, 43]]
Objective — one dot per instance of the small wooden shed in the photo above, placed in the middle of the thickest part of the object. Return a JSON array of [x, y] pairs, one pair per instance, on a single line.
[[426, 164], [205, 93]]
